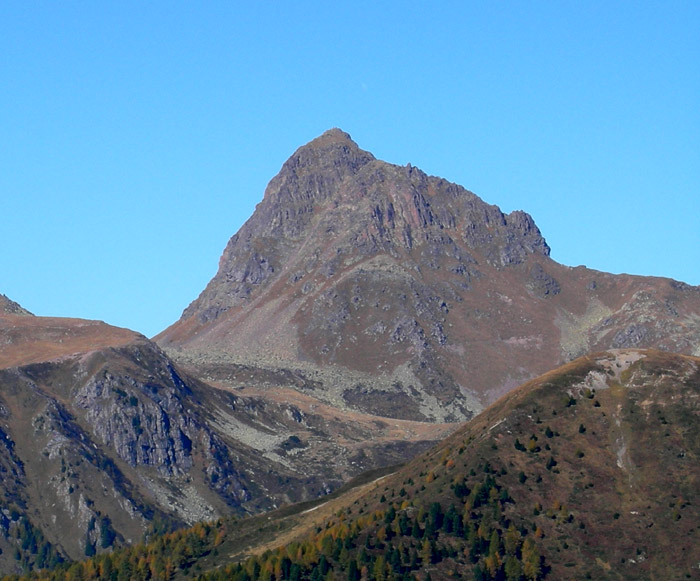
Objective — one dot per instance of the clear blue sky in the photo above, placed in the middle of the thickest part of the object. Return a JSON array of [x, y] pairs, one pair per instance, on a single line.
[[136, 137]]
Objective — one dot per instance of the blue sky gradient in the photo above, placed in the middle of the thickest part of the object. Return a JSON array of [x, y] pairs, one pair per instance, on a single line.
[[138, 137]]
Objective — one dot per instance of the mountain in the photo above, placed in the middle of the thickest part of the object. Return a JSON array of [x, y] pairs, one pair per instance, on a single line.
[[587, 472], [361, 312], [388, 290], [105, 439]]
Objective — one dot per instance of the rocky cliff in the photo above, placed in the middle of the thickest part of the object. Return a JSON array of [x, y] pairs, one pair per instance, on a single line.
[[103, 439], [100, 443]]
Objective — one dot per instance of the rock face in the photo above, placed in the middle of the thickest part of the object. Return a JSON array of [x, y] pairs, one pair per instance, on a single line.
[[333, 206], [103, 438], [98, 445], [385, 284]]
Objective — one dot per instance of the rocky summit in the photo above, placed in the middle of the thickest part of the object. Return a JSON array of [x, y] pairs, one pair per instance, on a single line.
[[404, 295]]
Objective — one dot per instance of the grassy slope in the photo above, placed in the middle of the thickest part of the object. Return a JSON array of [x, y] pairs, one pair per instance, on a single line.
[[590, 471]]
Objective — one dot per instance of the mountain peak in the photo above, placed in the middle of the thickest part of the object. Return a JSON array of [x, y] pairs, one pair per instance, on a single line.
[[332, 140], [333, 135], [332, 154], [312, 174]]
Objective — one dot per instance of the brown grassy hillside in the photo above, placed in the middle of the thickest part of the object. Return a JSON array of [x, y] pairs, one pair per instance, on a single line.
[[589, 471]]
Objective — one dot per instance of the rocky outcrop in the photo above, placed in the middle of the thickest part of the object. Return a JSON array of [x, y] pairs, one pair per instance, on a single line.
[[11, 307], [98, 444]]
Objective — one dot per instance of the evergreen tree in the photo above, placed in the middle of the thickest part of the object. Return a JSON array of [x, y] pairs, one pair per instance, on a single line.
[[416, 531], [513, 569], [353, 572], [532, 562]]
